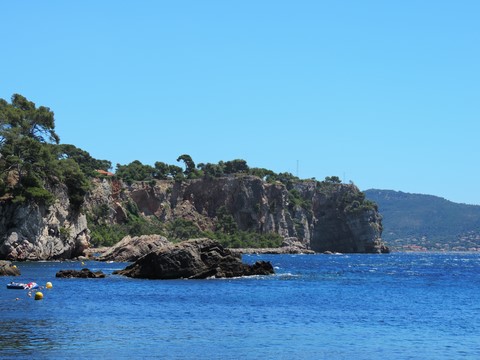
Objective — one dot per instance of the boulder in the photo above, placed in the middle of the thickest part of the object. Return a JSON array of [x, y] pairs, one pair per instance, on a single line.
[[193, 259], [84, 273], [130, 249], [8, 269]]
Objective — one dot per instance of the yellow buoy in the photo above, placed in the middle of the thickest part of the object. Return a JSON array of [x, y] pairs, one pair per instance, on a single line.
[[38, 295], [48, 285]]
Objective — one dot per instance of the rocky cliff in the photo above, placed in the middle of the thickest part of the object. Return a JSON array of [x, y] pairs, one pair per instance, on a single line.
[[321, 216], [31, 231]]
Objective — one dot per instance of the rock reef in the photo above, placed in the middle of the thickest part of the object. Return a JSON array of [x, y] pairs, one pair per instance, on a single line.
[[8, 269], [84, 274], [193, 259]]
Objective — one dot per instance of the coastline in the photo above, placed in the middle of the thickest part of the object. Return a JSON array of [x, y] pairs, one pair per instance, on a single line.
[[274, 251]]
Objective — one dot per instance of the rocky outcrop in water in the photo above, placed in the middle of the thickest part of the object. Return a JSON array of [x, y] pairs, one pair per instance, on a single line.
[[8, 269], [84, 274], [31, 231], [193, 259], [130, 249]]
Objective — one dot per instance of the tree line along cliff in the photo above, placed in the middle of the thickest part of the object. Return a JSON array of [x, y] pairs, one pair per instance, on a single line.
[[56, 200]]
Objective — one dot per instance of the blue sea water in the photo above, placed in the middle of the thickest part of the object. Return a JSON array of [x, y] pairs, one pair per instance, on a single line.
[[395, 306]]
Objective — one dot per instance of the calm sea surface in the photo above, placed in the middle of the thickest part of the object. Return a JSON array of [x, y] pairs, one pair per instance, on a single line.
[[396, 306]]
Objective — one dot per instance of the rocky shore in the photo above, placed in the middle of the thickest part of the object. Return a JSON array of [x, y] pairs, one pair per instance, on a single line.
[[274, 251]]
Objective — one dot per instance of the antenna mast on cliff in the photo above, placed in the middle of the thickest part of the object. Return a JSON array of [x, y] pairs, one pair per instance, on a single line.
[[297, 168]]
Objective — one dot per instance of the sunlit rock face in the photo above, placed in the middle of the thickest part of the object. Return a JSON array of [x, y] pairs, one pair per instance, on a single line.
[[31, 231], [320, 216]]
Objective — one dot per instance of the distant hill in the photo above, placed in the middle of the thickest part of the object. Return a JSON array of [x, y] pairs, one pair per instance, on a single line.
[[426, 222]]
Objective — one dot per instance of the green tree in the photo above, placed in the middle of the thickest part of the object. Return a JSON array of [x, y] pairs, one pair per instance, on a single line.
[[27, 163], [189, 164], [212, 170], [135, 171], [176, 172], [262, 173], [87, 163], [76, 182], [225, 221], [236, 166], [182, 229], [161, 171], [27, 120], [333, 180]]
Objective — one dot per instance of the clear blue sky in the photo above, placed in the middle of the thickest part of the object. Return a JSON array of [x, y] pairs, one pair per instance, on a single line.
[[383, 93]]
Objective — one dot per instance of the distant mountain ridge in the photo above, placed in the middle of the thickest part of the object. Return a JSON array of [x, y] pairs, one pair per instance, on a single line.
[[426, 222]]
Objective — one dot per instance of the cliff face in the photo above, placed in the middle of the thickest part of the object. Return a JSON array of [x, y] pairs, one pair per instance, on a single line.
[[328, 217], [331, 217], [30, 231], [345, 229]]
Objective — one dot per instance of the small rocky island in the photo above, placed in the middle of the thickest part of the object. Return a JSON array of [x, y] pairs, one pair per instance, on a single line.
[[193, 259], [83, 274]]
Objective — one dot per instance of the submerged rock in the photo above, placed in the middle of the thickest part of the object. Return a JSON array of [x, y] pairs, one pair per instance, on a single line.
[[130, 249], [193, 259], [84, 273], [8, 269]]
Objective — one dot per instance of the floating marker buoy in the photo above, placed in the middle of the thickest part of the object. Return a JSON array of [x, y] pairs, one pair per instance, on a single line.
[[38, 295], [83, 263], [48, 285]]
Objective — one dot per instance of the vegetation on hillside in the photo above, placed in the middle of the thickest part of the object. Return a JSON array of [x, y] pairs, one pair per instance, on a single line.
[[31, 160], [415, 221]]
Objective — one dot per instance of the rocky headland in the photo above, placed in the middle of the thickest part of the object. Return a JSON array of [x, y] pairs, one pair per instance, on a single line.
[[56, 200], [316, 216], [319, 216]]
